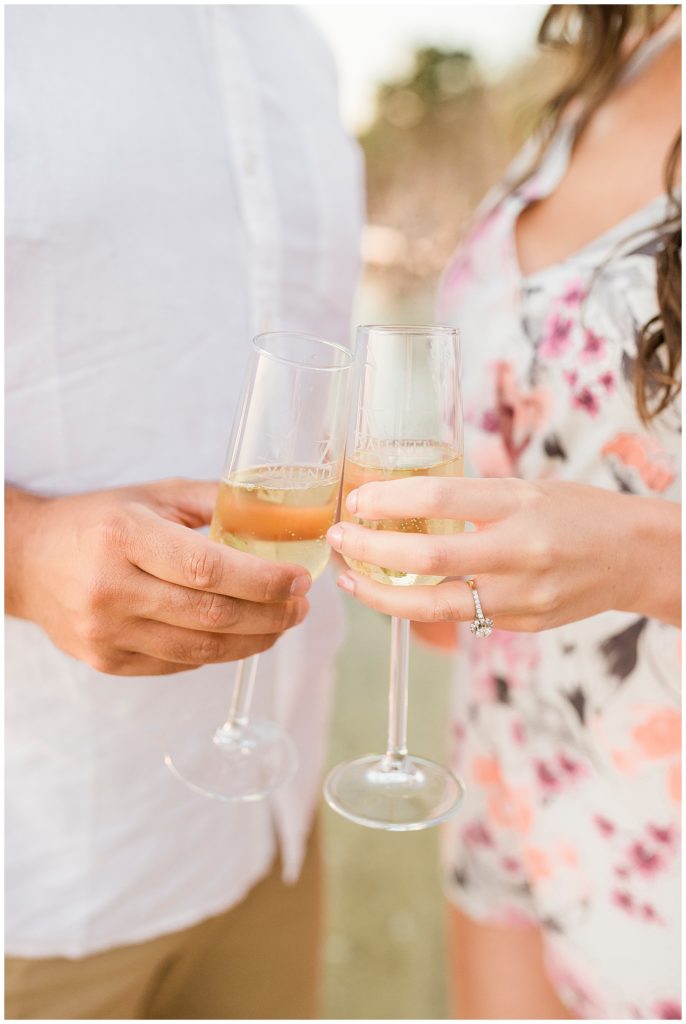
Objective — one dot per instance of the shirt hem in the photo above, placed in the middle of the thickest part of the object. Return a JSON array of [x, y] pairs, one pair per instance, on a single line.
[[178, 923]]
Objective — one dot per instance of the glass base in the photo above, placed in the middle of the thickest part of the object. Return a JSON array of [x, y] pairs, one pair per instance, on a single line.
[[401, 795], [245, 762]]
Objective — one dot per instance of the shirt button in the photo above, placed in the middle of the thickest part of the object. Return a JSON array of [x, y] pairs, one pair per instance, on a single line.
[[250, 162]]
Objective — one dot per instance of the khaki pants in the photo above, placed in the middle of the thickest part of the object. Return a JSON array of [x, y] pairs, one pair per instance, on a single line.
[[259, 960]]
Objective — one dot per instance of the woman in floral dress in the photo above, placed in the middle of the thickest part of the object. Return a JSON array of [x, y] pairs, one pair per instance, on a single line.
[[563, 865]]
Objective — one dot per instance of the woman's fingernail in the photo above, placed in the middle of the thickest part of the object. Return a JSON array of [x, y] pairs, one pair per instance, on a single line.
[[335, 537], [347, 583], [351, 502], [300, 586]]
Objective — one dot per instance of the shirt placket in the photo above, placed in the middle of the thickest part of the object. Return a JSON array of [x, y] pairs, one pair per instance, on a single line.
[[257, 199], [255, 186]]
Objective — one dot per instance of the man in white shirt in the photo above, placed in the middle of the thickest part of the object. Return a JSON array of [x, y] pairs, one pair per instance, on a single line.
[[177, 181]]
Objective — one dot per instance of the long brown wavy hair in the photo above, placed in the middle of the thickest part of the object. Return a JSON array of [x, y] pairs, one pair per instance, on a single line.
[[597, 38]]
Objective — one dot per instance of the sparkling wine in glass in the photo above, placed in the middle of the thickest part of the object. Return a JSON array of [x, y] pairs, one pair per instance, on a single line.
[[278, 496], [408, 423]]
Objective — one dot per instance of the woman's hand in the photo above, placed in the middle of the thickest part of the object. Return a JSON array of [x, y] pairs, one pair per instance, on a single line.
[[542, 554]]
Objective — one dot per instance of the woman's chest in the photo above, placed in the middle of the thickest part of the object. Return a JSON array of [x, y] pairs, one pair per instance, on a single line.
[[548, 364]]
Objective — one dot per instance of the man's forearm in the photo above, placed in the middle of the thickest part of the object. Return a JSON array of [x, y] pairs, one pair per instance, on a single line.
[[22, 509]]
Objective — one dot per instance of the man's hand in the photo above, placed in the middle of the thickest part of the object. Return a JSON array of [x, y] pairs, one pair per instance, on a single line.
[[118, 579]]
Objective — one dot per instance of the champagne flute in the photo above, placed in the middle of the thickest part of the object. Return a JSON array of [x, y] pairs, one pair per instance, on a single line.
[[408, 423], [278, 496]]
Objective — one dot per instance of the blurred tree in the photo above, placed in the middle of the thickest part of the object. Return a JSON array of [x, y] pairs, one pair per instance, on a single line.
[[437, 75], [442, 135]]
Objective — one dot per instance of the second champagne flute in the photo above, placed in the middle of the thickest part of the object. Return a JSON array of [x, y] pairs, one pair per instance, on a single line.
[[408, 423], [278, 496]]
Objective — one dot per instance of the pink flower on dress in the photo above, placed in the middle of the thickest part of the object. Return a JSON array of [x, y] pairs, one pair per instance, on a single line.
[[648, 913], [659, 735], [644, 860], [490, 421], [607, 380], [674, 781], [459, 731], [594, 347], [486, 771], [520, 414], [568, 854], [572, 377], [644, 455], [511, 808], [537, 863], [626, 761], [518, 734], [605, 827], [668, 1010], [477, 834], [557, 338], [624, 900], [575, 294], [586, 400], [511, 864], [548, 780], [519, 651], [665, 836], [573, 769]]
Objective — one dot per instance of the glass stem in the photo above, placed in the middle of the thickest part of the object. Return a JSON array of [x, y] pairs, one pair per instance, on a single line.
[[243, 686], [396, 750]]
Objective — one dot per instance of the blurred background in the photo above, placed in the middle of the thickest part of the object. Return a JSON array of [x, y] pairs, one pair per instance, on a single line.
[[440, 97]]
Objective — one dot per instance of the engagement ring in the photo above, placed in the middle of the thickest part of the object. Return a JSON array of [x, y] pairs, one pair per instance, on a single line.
[[480, 626]]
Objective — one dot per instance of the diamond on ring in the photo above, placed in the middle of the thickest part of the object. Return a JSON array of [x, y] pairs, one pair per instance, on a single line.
[[481, 625]]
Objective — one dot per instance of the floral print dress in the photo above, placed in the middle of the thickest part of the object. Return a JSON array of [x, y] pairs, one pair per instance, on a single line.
[[569, 740]]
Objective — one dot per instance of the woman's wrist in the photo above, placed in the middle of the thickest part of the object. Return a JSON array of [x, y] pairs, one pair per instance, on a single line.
[[650, 552]]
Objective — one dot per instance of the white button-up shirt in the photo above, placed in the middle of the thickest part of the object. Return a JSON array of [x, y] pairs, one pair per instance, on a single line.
[[177, 180]]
